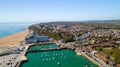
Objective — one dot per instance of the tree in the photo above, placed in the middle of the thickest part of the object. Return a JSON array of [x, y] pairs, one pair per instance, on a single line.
[[68, 38], [117, 56], [99, 48]]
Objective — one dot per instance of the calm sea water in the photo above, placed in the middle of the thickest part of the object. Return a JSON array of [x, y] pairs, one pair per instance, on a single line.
[[62, 58], [9, 28]]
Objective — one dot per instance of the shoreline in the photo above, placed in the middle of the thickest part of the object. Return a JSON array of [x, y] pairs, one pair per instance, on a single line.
[[14, 39]]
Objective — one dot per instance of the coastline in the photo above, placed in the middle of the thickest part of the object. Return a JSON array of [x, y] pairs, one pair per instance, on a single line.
[[14, 39]]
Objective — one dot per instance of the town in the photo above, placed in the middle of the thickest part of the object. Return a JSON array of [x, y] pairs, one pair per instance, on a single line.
[[98, 42]]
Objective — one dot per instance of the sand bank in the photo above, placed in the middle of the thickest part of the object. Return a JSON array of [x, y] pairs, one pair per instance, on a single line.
[[14, 39]]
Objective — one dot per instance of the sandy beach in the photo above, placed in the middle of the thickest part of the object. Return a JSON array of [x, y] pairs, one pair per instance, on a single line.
[[14, 39]]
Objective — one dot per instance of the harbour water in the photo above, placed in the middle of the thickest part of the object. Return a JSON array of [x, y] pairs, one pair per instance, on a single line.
[[61, 58]]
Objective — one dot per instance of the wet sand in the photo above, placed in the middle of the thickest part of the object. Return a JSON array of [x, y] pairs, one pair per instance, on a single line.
[[14, 39]]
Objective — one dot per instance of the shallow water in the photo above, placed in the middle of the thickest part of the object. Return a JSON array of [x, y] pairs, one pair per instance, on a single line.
[[9, 28]]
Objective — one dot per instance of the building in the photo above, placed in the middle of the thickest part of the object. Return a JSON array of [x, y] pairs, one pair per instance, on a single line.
[[38, 39], [30, 38], [34, 38], [106, 59]]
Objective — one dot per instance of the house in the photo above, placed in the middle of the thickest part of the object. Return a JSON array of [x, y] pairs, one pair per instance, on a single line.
[[106, 59], [61, 41]]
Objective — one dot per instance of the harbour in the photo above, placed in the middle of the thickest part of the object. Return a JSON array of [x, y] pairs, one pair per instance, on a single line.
[[58, 58]]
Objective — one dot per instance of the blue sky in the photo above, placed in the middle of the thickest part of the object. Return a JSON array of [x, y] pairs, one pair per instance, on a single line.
[[58, 10]]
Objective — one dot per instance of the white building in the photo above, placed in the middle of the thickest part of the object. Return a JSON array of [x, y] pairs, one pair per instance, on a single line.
[[33, 38]]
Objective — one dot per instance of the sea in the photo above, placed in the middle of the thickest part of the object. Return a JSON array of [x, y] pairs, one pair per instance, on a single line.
[[9, 28]]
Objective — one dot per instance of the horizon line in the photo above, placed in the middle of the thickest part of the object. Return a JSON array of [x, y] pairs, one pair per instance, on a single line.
[[58, 21]]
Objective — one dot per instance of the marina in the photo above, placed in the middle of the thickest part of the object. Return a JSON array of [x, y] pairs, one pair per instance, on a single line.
[[58, 58]]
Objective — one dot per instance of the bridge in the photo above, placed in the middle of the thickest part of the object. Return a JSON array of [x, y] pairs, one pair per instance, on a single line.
[[44, 50]]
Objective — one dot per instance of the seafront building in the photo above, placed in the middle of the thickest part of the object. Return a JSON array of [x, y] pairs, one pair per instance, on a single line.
[[34, 38]]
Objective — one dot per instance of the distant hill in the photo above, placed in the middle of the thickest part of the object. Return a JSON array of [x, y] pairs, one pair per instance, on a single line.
[[103, 21], [89, 21]]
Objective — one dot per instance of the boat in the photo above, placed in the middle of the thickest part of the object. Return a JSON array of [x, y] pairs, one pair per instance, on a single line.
[[53, 58], [58, 63], [86, 65]]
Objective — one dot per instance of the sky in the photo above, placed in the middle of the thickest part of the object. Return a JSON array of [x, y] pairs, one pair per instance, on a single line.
[[58, 10]]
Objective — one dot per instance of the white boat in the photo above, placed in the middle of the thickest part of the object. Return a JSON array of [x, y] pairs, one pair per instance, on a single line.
[[53, 58], [58, 63]]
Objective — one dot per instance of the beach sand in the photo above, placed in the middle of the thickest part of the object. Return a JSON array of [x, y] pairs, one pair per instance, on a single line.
[[14, 39], [118, 65]]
